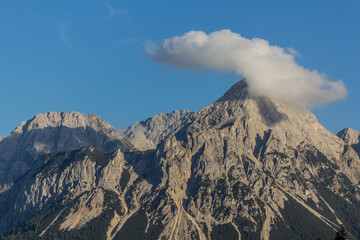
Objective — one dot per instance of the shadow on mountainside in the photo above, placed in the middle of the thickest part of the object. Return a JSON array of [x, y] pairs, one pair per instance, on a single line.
[[267, 109], [59, 164], [20, 152]]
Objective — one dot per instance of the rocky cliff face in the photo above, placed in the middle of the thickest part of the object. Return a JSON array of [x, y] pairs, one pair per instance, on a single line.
[[73, 188], [351, 137], [53, 132], [244, 167], [147, 134], [245, 162]]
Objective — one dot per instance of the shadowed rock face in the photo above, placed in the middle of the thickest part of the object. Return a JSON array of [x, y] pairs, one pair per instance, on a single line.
[[53, 132], [241, 167], [147, 134], [267, 109], [351, 137], [269, 112]]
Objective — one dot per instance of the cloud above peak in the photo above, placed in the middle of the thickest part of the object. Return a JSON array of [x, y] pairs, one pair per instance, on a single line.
[[270, 71]]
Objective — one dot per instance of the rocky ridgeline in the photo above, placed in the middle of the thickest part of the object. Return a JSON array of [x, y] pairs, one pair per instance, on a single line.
[[53, 132], [351, 137], [244, 167], [147, 134]]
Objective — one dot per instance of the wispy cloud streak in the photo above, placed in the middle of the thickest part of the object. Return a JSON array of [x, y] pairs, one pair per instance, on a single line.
[[114, 11], [64, 39]]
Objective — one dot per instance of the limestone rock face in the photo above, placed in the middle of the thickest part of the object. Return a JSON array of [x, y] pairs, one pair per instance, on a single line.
[[351, 137], [147, 134], [53, 132], [244, 167], [75, 187], [245, 161]]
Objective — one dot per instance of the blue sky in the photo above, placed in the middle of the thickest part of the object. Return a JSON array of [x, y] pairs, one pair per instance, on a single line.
[[89, 56]]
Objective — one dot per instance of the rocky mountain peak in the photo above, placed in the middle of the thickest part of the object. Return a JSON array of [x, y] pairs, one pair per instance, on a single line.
[[53, 132], [238, 100], [351, 137], [244, 167], [237, 91], [261, 117], [63, 119], [147, 134]]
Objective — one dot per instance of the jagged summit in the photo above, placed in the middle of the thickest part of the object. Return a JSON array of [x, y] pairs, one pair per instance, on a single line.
[[237, 91], [244, 167], [63, 119], [71, 130], [351, 137], [147, 134], [258, 115], [267, 108], [53, 132]]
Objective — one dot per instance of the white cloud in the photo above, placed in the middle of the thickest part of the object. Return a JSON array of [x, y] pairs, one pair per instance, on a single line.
[[270, 71], [114, 11], [293, 52]]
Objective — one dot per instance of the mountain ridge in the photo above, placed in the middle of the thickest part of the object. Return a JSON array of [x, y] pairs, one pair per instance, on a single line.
[[147, 134], [243, 167], [52, 132], [351, 137]]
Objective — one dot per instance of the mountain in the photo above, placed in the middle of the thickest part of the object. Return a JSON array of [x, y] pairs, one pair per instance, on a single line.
[[52, 132], [244, 167], [147, 134], [351, 137], [73, 191]]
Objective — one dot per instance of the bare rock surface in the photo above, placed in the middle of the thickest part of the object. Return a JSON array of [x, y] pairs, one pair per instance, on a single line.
[[147, 134], [53, 132], [245, 159], [351, 137], [244, 167]]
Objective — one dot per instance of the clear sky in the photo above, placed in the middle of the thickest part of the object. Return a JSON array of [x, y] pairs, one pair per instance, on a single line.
[[89, 55]]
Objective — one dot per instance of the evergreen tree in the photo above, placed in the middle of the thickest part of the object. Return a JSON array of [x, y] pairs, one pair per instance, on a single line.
[[341, 234]]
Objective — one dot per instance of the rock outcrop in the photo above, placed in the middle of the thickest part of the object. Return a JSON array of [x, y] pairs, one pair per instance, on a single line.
[[244, 167], [351, 137], [53, 132], [73, 188], [245, 162], [147, 134]]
